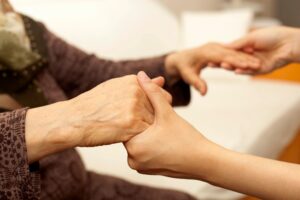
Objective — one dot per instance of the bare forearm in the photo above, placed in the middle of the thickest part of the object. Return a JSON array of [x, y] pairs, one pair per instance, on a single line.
[[101, 116], [46, 131], [260, 177]]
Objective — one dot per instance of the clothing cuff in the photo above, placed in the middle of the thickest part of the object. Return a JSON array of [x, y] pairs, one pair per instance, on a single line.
[[179, 90], [17, 181]]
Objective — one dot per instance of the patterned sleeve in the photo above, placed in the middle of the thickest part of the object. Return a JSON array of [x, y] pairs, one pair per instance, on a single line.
[[76, 71], [18, 179]]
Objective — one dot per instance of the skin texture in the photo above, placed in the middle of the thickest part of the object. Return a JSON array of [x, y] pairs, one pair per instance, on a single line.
[[91, 119], [6, 6], [171, 147], [188, 64], [116, 110], [275, 47]]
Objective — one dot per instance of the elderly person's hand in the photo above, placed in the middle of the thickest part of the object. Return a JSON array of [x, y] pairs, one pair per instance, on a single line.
[[275, 47], [166, 146], [188, 64], [112, 112]]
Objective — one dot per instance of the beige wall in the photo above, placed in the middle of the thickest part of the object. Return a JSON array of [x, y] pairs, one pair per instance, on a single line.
[[288, 12], [176, 6]]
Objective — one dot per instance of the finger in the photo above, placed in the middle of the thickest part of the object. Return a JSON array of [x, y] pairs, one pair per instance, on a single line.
[[245, 71], [156, 97], [147, 116], [147, 105], [167, 96], [160, 81], [241, 43], [192, 78], [213, 65], [227, 66], [163, 172], [149, 112], [241, 60], [248, 50]]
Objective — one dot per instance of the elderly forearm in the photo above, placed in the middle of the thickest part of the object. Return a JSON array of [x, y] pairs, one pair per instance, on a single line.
[[101, 116], [259, 177], [46, 131]]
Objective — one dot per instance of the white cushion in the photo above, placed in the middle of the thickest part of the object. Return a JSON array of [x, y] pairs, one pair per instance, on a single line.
[[111, 28]]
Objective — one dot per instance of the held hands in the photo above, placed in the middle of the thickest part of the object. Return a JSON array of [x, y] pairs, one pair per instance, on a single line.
[[259, 52], [188, 64], [274, 47], [165, 147], [112, 112]]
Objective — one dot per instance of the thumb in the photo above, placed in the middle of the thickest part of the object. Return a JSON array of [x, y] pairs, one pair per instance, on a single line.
[[160, 81], [154, 93]]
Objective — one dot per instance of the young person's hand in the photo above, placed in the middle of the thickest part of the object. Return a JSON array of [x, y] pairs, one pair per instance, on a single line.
[[112, 112], [188, 64], [165, 148], [275, 47], [172, 147]]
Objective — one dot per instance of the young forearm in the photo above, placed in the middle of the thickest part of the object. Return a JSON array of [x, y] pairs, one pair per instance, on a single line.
[[259, 177]]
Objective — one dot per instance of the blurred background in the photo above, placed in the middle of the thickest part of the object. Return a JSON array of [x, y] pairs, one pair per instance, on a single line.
[[260, 115]]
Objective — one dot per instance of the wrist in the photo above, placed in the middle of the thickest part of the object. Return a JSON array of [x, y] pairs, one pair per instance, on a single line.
[[170, 66], [171, 71], [47, 131], [206, 161]]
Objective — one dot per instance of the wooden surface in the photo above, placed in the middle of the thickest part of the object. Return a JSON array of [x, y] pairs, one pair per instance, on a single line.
[[292, 151]]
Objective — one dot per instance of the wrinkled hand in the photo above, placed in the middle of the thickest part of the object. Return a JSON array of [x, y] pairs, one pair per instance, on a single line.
[[114, 111], [275, 47], [165, 147], [189, 63]]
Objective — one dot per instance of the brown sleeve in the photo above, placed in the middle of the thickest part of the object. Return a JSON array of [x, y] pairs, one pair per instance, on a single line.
[[18, 180], [76, 72]]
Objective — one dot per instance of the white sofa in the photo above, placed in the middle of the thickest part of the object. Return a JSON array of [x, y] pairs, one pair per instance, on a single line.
[[258, 117]]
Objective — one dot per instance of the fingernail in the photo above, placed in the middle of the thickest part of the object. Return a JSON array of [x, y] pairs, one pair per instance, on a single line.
[[144, 77]]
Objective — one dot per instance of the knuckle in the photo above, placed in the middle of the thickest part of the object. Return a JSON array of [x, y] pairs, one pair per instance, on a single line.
[[132, 79], [170, 98], [134, 149], [130, 147], [133, 164]]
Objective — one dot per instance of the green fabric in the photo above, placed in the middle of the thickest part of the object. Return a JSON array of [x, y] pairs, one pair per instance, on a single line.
[[13, 55]]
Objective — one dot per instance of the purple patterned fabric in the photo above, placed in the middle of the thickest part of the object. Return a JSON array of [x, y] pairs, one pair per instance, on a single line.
[[16, 180]]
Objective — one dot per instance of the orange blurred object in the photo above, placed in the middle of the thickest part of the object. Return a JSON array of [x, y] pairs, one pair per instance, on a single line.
[[289, 73]]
